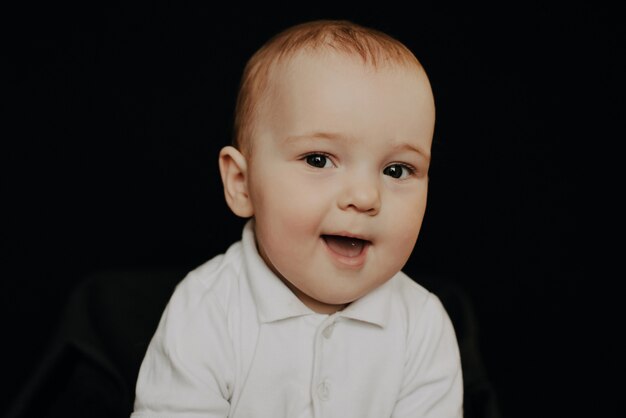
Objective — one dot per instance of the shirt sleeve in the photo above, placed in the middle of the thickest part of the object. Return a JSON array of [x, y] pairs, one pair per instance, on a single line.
[[187, 369], [433, 384]]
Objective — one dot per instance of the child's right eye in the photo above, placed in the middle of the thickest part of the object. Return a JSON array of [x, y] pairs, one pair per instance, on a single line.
[[318, 161]]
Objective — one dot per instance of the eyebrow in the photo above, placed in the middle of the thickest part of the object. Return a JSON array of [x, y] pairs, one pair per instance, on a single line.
[[402, 146], [396, 145], [320, 135]]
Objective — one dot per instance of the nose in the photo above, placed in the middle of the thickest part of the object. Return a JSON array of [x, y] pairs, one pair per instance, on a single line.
[[361, 194]]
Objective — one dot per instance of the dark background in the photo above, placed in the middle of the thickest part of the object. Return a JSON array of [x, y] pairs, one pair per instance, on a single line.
[[114, 115]]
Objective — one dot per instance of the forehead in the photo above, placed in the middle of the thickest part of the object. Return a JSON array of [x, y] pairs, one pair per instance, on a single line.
[[315, 73], [318, 62], [333, 91]]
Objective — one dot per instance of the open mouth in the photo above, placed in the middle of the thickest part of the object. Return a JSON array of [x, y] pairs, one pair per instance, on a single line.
[[345, 246]]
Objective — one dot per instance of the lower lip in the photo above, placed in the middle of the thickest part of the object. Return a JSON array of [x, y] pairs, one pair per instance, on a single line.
[[355, 262]]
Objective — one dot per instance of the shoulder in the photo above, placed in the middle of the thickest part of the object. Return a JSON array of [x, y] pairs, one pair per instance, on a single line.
[[213, 279], [432, 377], [191, 354], [228, 264], [201, 301], [411, 295], [418, 308], [197, 314]]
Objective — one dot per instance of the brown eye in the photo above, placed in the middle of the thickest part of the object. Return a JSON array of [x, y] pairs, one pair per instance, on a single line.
[[318, 160], [398, 171]]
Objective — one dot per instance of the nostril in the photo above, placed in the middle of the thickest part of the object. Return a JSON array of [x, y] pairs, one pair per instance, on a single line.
[[363, 199]]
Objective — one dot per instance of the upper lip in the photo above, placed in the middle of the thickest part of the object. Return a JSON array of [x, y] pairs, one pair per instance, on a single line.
[[348, 235]]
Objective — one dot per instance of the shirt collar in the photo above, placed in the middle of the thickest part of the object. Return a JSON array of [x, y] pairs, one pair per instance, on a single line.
[[373, 307], [275, 301]]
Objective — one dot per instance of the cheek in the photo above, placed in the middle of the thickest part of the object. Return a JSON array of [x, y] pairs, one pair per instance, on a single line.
[[404, 239], [287, 229], [289, 199], [287, 211], [405, 233]]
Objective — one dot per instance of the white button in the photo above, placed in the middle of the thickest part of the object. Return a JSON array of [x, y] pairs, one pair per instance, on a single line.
[[328, 331], [323, 390]]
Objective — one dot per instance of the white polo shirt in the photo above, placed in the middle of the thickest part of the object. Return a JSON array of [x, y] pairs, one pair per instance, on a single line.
[[234, 341]]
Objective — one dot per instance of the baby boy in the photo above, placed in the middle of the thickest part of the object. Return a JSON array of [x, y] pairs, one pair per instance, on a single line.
[[309, 314]]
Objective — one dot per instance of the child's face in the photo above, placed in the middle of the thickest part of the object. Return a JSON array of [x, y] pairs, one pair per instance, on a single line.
[[338, 175]]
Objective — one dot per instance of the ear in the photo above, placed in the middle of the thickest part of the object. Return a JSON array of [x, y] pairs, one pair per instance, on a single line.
[[234, 171]]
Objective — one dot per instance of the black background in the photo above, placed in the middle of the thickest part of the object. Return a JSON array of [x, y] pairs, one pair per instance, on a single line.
[[114, 115]]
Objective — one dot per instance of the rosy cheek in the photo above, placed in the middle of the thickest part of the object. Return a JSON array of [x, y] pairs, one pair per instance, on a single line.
[[402, 247], [406, 233], [285, 213]]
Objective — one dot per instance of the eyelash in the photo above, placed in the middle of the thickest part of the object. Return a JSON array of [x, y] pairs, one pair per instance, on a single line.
[[410, 169], [306, 157]]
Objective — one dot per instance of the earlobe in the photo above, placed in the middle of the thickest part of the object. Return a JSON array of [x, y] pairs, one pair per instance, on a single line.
[[234, 172]]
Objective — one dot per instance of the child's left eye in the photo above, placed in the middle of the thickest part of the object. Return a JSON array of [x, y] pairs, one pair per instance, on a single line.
[[318, 160], [398, 171]]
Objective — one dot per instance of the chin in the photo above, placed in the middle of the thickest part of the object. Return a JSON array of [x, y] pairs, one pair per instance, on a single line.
[[336, 301]]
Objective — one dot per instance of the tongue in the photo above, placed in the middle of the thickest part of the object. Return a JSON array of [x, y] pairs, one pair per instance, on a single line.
[[348, 247]]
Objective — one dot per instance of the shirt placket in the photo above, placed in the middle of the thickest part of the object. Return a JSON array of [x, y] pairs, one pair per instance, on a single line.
[[322, 383]]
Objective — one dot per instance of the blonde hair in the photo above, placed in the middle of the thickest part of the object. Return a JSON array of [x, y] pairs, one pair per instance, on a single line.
[[374, 47]]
